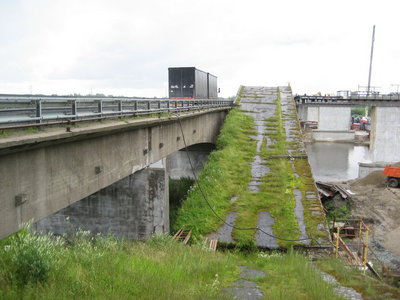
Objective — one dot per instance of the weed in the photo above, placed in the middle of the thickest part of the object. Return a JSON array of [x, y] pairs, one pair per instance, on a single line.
[[26, 257], [5, 133], [178, 190], [225, 174]]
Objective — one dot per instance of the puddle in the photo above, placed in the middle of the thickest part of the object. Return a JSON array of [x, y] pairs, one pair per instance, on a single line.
[[265, 222], [299, 212], [224, 233]]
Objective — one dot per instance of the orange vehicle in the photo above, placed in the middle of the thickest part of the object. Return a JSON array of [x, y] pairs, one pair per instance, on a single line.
[[393, 175]]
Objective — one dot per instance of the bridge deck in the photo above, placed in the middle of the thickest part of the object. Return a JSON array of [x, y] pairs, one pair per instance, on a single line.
[[353, 100], [281, 198]]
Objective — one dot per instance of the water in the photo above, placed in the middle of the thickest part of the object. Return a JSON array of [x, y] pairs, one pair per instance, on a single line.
[[336, 161]]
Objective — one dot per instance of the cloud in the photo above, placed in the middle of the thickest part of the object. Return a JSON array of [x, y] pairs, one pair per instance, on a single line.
[[127, 46]]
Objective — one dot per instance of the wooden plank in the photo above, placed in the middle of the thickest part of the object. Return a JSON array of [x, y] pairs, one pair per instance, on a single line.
[[187, 237], [177, 234], [213, 245], [288, 156]]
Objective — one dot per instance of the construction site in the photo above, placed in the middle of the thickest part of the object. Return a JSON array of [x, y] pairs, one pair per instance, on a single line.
[[364, 215]]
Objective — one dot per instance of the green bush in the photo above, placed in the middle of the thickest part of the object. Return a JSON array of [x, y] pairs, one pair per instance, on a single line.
[[26, 257]]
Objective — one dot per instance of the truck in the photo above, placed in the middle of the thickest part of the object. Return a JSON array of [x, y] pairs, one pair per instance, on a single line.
[[191, 83], [393, 176]]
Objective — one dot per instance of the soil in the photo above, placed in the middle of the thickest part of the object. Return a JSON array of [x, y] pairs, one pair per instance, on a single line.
[[379, 206]]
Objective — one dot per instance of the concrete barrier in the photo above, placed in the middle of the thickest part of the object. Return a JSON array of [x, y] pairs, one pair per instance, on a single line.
[[333, 135], [365, 169]]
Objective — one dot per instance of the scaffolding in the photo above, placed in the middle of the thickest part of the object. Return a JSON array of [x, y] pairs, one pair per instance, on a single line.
[[350, 237]]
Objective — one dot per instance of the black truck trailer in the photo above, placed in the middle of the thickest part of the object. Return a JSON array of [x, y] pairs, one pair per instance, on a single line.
[[189, 83]]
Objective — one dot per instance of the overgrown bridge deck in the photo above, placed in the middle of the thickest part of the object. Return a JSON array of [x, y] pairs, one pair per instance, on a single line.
[[281, 202]]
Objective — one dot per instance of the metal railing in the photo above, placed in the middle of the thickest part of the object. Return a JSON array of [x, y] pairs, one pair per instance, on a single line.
[[38, 110], [353, 97]]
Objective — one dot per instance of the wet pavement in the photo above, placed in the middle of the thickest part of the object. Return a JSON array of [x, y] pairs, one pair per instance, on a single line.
[[261, 103], [258, 102], [342, 291], [266, 240], [299, 212], [224, 233], [244, 288]]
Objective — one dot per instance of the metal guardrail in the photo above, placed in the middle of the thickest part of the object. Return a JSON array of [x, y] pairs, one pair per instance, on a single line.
[[342, 100], [42, 110]]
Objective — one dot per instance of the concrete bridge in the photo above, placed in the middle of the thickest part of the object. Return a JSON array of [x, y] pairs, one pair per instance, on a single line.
[[333, 116], [43, 173]]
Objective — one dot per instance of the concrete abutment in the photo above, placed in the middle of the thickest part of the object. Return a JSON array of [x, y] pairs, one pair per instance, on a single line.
[[134, 207]]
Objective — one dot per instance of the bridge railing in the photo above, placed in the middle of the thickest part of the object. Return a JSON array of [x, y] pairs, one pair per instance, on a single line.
[[26, 110], [354, 97]]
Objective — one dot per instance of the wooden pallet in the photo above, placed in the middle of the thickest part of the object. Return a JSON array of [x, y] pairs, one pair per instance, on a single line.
[[213, 245], [182, 236]]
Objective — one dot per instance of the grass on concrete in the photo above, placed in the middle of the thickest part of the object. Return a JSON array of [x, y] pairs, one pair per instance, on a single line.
[[228, 172], [225, 175], [369, 287], [290, 276]]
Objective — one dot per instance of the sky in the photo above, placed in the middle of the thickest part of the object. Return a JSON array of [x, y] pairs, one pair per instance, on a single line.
[[124, 48]]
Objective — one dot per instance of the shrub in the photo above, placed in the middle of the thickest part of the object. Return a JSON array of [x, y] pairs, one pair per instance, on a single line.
[[26, 257]]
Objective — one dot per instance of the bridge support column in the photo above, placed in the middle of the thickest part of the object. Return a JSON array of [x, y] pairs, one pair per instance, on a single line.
[[334, 118], [178, 164], [385, 134], [134, 207], [308, 113]]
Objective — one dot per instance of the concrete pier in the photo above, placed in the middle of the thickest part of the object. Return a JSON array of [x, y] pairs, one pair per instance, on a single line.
[[385, 134], [333, 135], [134, 207], [331, 118]]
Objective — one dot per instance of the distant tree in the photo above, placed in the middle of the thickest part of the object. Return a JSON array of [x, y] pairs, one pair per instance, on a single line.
[[357, 111]]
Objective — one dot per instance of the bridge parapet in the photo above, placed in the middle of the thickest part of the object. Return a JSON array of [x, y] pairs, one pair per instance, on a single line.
[[27, 109], [392, 100]]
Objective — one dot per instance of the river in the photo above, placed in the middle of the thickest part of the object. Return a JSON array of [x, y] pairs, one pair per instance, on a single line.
[[336, 161]]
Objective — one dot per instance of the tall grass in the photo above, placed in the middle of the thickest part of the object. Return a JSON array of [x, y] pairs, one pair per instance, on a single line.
[[369, 287], [93, 267], [105, 268], [290, 276], [225, 175], [178, 190]]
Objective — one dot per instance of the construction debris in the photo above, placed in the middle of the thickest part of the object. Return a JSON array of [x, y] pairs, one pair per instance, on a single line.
[[330, 190], [182, 236], [213, 245]]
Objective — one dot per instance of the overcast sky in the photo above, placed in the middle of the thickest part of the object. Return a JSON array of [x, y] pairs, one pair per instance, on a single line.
[[125, 47]]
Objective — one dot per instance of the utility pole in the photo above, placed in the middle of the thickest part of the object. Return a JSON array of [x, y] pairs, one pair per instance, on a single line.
[[370, 60]]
